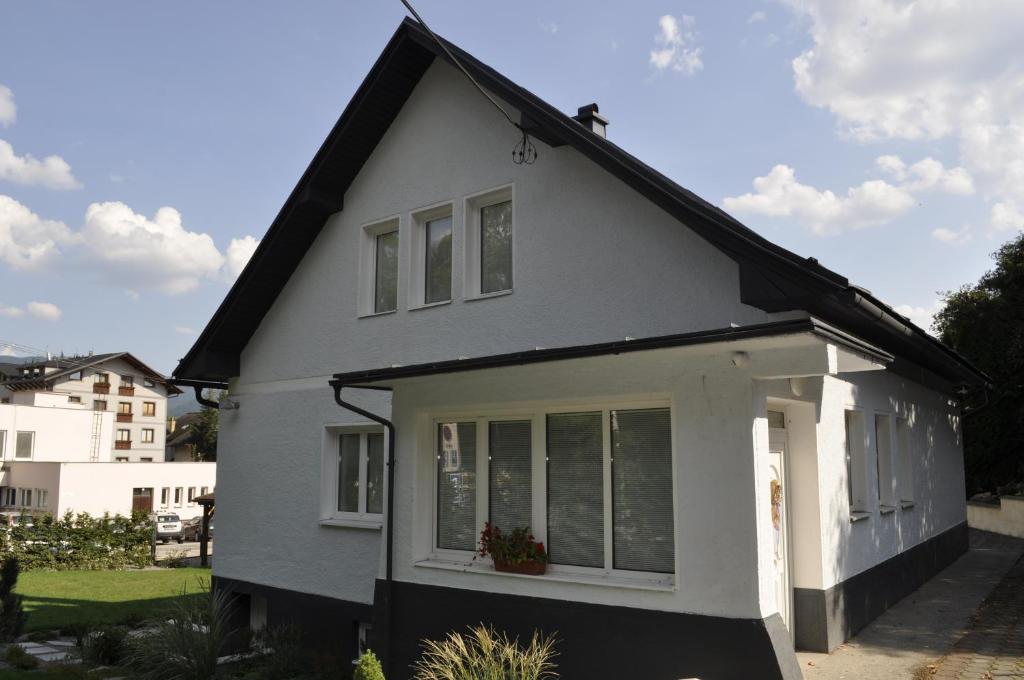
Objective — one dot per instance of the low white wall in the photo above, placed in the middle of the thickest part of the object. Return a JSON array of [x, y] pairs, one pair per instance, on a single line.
[[1007, 518], [97, 488], [62, 434]]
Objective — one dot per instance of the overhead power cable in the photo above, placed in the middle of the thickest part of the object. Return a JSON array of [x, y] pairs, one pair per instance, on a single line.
[[524, 152]]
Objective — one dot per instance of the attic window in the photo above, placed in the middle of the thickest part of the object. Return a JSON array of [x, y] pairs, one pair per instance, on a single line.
[[490, 247], [378, 266]]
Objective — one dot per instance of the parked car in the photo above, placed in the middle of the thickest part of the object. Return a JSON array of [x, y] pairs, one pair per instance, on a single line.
[[168, 527], [193, 529]]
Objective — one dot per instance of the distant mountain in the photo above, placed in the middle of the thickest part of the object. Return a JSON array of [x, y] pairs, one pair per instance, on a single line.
[[183, 403]]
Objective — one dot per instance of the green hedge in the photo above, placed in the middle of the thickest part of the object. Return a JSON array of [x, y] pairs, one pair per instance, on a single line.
[[81, 542]]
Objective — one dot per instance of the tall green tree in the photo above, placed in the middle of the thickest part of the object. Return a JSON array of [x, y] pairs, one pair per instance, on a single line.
[[204, 437], [985, 323]]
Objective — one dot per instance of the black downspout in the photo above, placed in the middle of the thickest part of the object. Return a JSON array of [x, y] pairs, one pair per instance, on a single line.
[[198, 386], [390, 521]]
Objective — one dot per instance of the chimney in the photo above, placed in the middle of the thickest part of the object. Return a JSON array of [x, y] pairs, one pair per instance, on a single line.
[[589, 118]]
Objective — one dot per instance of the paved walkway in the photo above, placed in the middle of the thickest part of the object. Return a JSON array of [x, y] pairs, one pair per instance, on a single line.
[[994, 644], [920, 629]]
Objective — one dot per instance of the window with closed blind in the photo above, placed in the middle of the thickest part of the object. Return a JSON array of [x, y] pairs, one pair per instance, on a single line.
[[595, 485]]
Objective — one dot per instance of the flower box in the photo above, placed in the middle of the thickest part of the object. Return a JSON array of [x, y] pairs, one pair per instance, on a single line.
[[529, 568]]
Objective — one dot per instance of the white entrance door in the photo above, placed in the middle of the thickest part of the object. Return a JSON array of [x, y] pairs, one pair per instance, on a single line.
[[778, 516]]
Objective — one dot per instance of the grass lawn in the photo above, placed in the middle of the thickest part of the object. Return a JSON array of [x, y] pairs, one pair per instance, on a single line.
[[58, 598]]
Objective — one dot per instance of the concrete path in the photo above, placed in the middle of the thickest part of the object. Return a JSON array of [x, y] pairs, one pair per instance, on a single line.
[[994, 645], [922, 627]]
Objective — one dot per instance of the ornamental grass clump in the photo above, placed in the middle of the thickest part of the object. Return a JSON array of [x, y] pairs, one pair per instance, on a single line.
[[484, 654]]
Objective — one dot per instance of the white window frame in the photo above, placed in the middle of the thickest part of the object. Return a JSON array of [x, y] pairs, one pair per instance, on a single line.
[[165, 497], [884, 462], [537, 413], [368, 264], [472, 205], [418, 262], [179, 494], [31, 448], [855, 445], [41, 498], [152, 414], [152, 435], [329, 513], [904, 461]]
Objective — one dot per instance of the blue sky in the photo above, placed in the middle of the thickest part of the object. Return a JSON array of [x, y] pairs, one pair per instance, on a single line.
[[888, 151]]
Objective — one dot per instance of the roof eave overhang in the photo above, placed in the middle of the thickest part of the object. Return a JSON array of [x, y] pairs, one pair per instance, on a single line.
[[810, 326]]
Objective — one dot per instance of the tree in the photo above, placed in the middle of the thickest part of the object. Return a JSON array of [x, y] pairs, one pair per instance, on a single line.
[[985, 323], [204, 431], [12, 615]]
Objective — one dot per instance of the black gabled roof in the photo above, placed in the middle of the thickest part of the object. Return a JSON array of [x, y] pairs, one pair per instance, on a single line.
[[772, 277]]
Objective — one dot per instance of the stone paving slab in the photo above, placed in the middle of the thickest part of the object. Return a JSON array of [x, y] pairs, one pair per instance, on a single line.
[[924, 626], [993, 646]]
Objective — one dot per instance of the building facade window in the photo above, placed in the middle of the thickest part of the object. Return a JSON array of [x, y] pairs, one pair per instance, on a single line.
[[11, 497], [124, 435], [41, 496], [358, 476], [489, 243], [904, 462], [178, 493], [102, 378], [26, 498], [385, 273], [3, 443], [124, 408], [191, 494], [99, 405], [24, 445], [596, 485], [856, 472], [148, 382], [149, 408], [165, 496], [430, 275], [121, 459], [73, 399], [127, 381], [147, 435], [884, 462]]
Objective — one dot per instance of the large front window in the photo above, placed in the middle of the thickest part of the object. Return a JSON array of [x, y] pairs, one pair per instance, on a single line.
[[595, 485]]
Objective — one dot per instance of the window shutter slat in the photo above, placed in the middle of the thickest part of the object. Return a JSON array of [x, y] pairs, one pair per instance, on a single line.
[[642, 490], [510, 493], [456, 486], [575, 489]]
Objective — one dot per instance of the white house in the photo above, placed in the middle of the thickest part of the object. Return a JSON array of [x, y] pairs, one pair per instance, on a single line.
[[61, 453], [729, 450]]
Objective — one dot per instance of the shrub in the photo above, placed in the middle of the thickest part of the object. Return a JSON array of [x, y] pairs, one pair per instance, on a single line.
[[176, 560], [368, 667], [285, 656], [20, 659], [106, 646], [12, 615], [484, 654], [81, 542], [187, 645]]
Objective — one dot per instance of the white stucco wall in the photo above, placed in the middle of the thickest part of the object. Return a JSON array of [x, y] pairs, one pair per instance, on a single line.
[[97, 488], [938, 476], [1007, 518], [594, 261], [61, 433]]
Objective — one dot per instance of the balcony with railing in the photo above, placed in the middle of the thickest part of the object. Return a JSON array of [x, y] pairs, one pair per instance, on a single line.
[[124, 417], [123, 444], [101, 388]]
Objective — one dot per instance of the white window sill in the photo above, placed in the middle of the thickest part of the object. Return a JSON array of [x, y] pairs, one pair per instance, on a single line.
[[859, 516], [353, 523], [370, 315], [886, 509], [666, 585], [488, 296], [906, 505], [430, 305]]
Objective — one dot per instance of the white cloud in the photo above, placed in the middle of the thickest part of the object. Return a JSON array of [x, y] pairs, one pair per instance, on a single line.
[[52, 172], [922, 317], [548, 27], [674, 45], [1007, 216], [889, 69], [28, 242], [7, 351], [238, 253], [756, 17], [955, 238], [184, 330], [8, 111], [11, 312], [47, 311], [876, 201], [138, 252], [779, 194]]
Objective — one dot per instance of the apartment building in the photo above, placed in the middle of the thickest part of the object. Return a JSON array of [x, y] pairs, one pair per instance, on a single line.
[[69, 426], [116, 383]]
